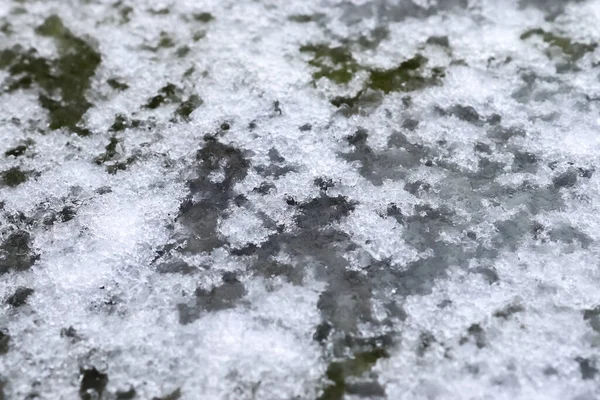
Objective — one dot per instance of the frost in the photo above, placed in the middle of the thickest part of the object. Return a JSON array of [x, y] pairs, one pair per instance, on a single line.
[[311, 200]]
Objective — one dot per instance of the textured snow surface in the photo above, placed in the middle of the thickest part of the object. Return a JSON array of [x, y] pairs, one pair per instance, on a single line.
[[334, 199]]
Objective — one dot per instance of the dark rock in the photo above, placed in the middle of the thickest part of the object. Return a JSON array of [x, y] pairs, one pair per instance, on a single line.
[[174, 395], [274, 156], [410, 124], [509, 310], [587, 368], [67, 213], [323, 209], [15, 253], [439, 40], [126, 394], [322, 332], [565, 180], [19, 297], [324, 184], [465, 113], [359, 137], [4, 342], [92, 384], [175, 267], [16, 151], [218, 298], [483, 148], [13, 177]]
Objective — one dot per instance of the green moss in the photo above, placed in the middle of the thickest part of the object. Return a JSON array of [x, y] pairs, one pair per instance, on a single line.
[[25, 69], [18, 11], [6, 29], [198, 35], [14, 177], [189, 72], [339, 371], [408, 76], [63, 81], [187, 107], [182, 51], [125, 14], [334, 63], [124, 11], [168, 94], [162, 11], [115, 84], [165, 41], [572, 50], [203, 17]]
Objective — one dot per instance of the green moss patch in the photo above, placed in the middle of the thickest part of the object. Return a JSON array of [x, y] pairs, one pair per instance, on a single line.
[[117, 85], [14, 177], [339, 371], [571, 49], [203, 17], [406, 77], [334, 63], [63, 82]]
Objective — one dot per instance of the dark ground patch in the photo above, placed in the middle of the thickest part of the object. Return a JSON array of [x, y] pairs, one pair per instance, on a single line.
[[16, 253], [4, 342], [117, 84], [92, 384], [587, 367], [174, 395], [167, 94], [218, 298], [392, 163], [175, 267], [19, 297], [188, 106], [128, 394], [207, 200]]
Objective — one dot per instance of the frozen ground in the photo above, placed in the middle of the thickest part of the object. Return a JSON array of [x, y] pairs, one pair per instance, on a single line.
[[334, 199]]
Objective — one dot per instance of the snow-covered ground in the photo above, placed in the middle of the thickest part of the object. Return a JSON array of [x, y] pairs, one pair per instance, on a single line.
[[334, 199]]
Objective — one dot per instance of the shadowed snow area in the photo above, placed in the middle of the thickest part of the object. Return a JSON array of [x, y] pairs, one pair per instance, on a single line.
[[333, 199]]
